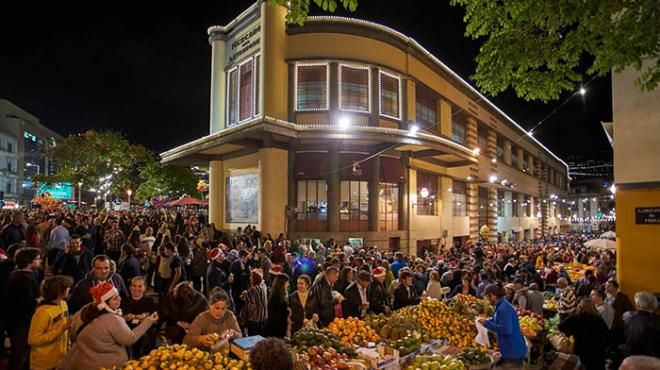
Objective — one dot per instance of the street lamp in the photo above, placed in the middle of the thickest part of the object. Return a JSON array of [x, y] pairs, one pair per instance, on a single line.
[[129, 192], [34, 165], [79, 192]]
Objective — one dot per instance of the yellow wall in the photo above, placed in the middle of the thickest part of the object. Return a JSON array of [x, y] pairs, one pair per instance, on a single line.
[[638, 255], [273, 51], [274, 190]]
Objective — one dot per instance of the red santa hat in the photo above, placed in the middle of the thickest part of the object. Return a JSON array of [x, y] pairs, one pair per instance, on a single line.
[[101, 293], [379, 272], [215, 253]]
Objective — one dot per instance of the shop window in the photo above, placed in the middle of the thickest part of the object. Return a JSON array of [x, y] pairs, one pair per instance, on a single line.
[[527, 206], [500, 147], [426, 105], [514, 157], [501, 206], [312, 205], [242, 91], [354, 206], [311, 87], [483, 206], [388, 199], [389, 95], [427, 188], [459, 191], [482, 139], [354, 88], [515, 205]]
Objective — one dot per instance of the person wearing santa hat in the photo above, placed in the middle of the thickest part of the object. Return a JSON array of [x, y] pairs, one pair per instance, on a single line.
[[255, 310], [102, 333], [379, 301]]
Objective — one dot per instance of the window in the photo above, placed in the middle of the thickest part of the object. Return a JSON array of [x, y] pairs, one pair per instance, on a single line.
[[354, 205], [312, 200], [458, 129], [389, 95], [459, 191], [354, 88], [427, 188], [311, 87], [501, 206], [500, 147], [514, 157], [426, 105], [525, 162], [515, 206], [388, 199], [9, 166], [482, 138], [527, 206], [242, 91], [10, 147], [483, 206]]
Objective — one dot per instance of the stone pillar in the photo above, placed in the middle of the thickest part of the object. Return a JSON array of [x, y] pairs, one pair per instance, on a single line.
[[292, 189], [530, 164], [472, 187], [444, 117], [374, 182], [216, 194], [446, 210], [334, 183], [404, 199], [333, 94], [471, 132], [374, 116], [492, 214], [274, 189]]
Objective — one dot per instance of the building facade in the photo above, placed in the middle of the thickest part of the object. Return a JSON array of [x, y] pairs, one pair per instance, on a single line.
[[22, 142], [347, 129]]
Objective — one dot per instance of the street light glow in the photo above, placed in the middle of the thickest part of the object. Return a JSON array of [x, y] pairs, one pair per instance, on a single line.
[[583, 91], [344, 123], [413, 129], [492, 178]]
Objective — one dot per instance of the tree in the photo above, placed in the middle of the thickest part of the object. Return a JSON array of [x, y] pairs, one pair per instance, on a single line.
[[102, 160], [167, 180], [541, 47], [299, 9]]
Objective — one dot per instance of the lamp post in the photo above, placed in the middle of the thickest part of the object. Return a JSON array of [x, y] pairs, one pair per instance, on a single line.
[[79, 193], [129, 192]]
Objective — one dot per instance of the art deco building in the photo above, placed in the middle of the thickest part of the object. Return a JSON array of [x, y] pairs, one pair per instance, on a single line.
[[348, 129]]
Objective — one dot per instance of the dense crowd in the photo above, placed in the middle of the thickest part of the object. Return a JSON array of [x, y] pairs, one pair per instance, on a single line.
[[118, 284]]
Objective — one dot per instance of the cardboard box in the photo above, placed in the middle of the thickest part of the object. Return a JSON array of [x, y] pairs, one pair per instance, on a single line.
[[241, 346]]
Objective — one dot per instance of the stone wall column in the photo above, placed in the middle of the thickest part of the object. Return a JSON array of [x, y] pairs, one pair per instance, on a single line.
[[334, 186], [374, 185]]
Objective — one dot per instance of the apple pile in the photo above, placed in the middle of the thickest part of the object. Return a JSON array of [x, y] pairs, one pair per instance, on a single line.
[[320, 358]]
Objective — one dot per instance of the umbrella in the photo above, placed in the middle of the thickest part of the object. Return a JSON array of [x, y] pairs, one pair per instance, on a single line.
[[185, 201], [608, 235], [601, 244]]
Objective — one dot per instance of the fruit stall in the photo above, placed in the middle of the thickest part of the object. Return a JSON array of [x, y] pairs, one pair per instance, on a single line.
[[432, 335]]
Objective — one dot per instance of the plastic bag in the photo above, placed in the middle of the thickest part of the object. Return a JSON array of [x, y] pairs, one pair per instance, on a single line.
[[482, 334]]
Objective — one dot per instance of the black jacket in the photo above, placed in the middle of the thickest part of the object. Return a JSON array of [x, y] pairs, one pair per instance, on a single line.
[[324, 303], [299, 313], [66, 264], [129, 268], [642, 335], [216, 275], [80, 295], [591, 337], [278, 314], [378, 298], [405, 297], [22, 294], [351, 304]]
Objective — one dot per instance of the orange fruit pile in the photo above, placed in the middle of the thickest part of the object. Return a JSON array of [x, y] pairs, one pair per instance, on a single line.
[[353, 331]]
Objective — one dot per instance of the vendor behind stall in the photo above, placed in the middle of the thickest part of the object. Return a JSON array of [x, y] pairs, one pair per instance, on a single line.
[[213, 325]]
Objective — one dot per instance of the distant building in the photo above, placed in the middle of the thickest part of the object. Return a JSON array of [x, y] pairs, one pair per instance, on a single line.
[[22, 140], [591, 205]]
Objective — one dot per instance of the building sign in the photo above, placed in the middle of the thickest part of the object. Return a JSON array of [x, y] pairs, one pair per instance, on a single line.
[[60, 191], [244, 43], [242, 199], [647, 216]]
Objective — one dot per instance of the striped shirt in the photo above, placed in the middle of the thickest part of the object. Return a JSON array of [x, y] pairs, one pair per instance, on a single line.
[[256, 304], [566, 301]]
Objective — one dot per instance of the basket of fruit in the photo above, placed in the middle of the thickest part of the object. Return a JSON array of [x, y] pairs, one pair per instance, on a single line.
[[307, 337], [475, 358], [353, 331], [435, 362]]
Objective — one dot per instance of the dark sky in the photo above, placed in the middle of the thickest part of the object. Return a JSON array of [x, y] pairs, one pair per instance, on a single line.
[[145, 70]]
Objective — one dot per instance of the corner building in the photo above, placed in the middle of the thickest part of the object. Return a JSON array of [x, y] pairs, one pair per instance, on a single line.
[[350, 130]]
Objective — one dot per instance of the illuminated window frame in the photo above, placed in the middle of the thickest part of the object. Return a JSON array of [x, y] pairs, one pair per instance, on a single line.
[[327, 86], [380, 102], [355, 66], [255, 81]]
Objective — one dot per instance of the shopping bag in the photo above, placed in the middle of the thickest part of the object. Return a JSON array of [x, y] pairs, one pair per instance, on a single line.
[[482, 334]]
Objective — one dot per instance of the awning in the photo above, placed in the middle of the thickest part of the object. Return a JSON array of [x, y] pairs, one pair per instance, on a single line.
[[392, 170], [310, 166]]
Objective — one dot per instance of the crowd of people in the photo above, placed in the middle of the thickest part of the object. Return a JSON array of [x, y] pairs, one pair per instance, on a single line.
[[90, 289]]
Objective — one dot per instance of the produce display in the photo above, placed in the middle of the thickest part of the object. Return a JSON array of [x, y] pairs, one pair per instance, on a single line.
[[474, 356], [320, 358], [439, 321], [465, 303], [181, 356], [306, 338], [353, 331], [551, 304], [436, 362], [394, 327], [552, 325]]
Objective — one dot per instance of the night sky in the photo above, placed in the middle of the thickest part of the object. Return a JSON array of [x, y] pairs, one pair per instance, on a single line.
[[145, 70]]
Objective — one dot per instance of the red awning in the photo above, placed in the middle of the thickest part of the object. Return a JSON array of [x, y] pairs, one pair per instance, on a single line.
[[392, 170], [310, 166], [363, 169]]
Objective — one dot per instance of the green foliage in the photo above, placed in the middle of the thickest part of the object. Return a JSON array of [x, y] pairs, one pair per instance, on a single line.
[[538, 47], [91, 155], [167, 180], [298, 10]]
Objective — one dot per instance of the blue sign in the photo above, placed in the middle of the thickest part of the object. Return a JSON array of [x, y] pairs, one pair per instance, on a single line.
[[62, 191]]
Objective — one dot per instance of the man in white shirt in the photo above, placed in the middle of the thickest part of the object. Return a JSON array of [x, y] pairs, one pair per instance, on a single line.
[[605, 309]]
